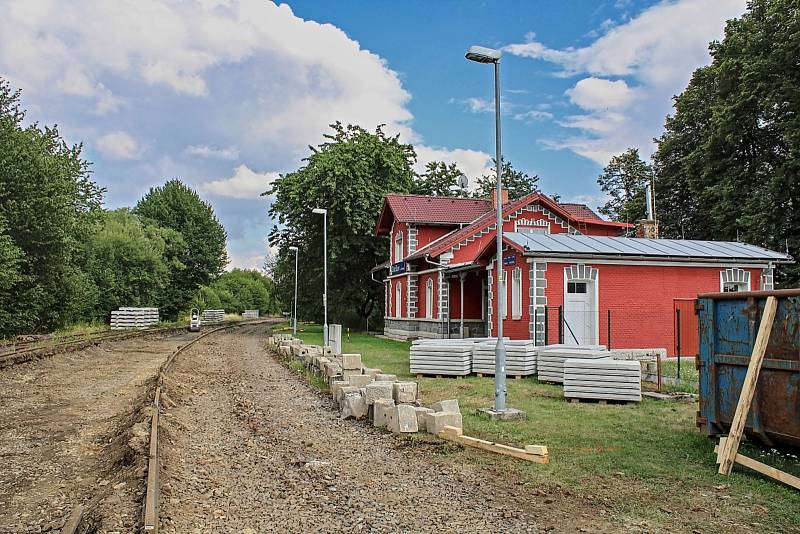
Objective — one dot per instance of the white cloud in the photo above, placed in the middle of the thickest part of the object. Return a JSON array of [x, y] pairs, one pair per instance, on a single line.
[[118, 145], [245, 183], [473, 163], [657, 50], [597, 93], [206, 151], [533, 115]]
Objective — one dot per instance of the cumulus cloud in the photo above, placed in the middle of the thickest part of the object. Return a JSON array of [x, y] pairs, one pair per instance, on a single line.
[[245, 183], [206, 151], [117, 145], [473, 163], [656, 52]]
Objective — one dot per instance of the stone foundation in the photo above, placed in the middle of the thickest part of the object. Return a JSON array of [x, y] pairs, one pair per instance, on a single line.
[[427, 329]]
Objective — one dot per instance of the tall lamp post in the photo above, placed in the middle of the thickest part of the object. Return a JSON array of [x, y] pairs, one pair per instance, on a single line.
[[482, 54], [324, 213], [294, 322]]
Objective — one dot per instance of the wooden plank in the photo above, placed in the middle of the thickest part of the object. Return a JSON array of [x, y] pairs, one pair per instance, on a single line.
[[153, 467], [455, 435], [766, 470], [73, 521], [729, 448]]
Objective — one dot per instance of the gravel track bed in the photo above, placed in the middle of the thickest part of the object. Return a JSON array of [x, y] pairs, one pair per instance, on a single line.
[[248, 447], [73, 430]]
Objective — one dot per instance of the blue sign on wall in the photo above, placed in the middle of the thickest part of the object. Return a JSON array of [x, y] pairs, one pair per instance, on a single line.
[[399, 267], [509, 260]]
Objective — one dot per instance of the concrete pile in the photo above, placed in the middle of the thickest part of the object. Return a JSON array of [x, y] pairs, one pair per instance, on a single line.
[[520, 357], [602, 379], [129, 317], [364, 393], [451, 357], [250, 314], [212, 316], [550, 359]]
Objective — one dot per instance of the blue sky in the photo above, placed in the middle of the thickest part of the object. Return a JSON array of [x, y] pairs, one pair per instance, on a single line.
[[226, 94]]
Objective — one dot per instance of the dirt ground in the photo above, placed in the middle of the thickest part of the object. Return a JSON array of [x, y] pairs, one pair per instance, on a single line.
[[250, 447], [70, 428]]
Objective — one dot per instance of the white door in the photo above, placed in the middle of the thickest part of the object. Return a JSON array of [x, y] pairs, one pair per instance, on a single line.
[[579, 315]]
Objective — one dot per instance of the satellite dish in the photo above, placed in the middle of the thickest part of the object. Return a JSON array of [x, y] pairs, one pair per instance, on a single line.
[[463, 182]]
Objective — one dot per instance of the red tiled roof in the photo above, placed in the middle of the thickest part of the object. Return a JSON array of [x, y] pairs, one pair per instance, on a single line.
[[419, 209], [579, 211]]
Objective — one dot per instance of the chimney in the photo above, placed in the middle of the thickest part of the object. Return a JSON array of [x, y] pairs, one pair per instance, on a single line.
[[648, 228], [503, 192]]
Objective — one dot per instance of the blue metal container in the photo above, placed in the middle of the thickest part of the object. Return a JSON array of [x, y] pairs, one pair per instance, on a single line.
[[728, 324]]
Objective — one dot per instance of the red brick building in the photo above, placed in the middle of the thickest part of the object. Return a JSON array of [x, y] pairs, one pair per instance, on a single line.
[[570, 276]]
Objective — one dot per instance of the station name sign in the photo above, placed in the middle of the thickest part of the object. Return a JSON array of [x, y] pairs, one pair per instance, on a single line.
[[509, 260], [398, 268]]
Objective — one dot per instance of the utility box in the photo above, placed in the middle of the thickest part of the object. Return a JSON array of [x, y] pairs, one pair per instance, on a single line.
[[727, 328], [335, 338]]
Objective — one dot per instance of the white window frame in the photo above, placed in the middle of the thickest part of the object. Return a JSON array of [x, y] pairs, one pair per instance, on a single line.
[[504, 289], [734, 277], [398, 247], [429, 299], [398, 297], [516, 294]]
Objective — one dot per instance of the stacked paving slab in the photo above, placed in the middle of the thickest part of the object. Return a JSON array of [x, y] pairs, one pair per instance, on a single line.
[[250, 314], [602, 379], [450, 357], [129, 317], [551, 358], [212, 316], [364, 393], [520, 357]]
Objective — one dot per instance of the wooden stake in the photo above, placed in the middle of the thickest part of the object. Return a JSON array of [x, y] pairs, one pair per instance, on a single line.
[[730, 446], [74, 521], [532, 453], [767, 470]]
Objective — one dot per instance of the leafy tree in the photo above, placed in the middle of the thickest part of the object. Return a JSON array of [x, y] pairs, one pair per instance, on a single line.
[[439, 179], [241, 290], [517, 182], [348, 174], [624, 180], [45, 198], [729, 159], [177, 207], [12, 311]]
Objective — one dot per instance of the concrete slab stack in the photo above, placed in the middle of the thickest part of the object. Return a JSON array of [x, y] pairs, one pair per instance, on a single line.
[[550, 359], [212, 316], [451, 357], [520, 357], [602, 379], [128, 317], [250, 314]]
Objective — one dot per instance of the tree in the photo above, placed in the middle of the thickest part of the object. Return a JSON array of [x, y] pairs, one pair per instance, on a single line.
[[729, 159], [242, 289], [46, 197], [439, 179], [348, 174], [177, 207], [517, 182], [624, 180], [13, 316]]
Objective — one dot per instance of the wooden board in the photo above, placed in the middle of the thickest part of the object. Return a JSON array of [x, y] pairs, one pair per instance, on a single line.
[[766, 470], [729, 448], [532, 453], [73, 521]]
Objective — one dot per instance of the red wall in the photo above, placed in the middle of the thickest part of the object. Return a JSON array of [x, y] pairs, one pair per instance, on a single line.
[[513, 328], [393, 282], [398, 227], [422, 304], [427, 234], [473, 284], [640, 298]]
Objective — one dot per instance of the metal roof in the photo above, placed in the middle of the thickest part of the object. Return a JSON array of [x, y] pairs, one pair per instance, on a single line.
[[670, 249]]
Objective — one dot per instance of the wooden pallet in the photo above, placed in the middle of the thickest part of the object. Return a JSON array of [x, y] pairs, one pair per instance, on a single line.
[[426, 375], [577, 400], [515, 377]]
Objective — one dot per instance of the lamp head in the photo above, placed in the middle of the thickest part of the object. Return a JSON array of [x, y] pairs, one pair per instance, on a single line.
[[293, 249], [319, 211], [481, 54]]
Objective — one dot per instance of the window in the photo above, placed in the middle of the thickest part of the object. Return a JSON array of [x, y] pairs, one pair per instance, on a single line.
[[504, 289], [398, 247], [576, 287], [398, 299], [733, 287], [734, 280], [516, 293], [429, 299]]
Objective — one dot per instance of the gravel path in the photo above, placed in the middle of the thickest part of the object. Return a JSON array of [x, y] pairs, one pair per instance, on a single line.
[[249, 448], [69, 428]]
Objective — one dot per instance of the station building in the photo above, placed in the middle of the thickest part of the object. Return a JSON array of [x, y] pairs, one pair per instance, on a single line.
[[569, 276]]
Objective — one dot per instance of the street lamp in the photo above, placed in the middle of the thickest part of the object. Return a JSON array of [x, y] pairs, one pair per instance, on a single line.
[[324, 213], [482, 54], [294, 325]]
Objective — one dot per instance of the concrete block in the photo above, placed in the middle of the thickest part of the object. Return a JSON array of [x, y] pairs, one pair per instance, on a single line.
[[360, 380], [332, 369], [343, 392], [404, 392], [285, 351], [354, 407], [420, 412], [378, 391], [402, 419], [351, 361], [380, 409], [385, 378], [436, 421], [371, 371], [349, 373], [336, 385], [449, 406]]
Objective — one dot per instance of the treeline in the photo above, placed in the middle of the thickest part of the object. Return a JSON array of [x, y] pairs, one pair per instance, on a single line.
[[727, 166], [66, 260]]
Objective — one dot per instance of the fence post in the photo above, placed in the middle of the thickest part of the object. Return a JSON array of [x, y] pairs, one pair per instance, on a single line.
[[561, 324], [609, 329], [546, 326], [678, 327]]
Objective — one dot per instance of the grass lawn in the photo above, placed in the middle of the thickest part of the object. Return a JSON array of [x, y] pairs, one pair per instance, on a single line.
[[646, 466]]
